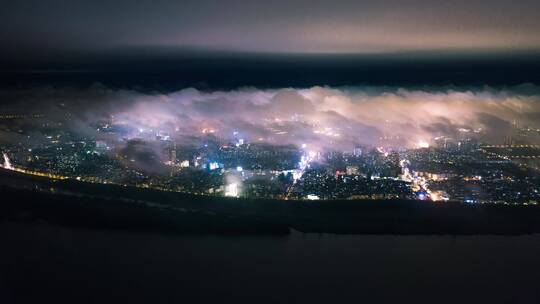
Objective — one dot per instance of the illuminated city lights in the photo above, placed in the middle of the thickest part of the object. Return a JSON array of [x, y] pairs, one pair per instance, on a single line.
[[331, 156], [231, 190], [422, 144]]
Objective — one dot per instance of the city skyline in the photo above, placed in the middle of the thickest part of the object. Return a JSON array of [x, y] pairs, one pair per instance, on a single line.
[[363, 143]]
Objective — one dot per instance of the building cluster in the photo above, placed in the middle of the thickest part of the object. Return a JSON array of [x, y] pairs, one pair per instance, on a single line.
[[459, 170]]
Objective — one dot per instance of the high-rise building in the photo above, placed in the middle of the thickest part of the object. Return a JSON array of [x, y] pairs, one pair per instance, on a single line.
[[352, 170], [172, 154]]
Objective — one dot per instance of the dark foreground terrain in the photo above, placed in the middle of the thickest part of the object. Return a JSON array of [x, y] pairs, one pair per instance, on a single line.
[[71, 242], [74, 204]]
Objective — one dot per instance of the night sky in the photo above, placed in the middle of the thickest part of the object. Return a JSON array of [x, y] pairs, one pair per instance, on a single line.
[[299, 26], [227, 44]]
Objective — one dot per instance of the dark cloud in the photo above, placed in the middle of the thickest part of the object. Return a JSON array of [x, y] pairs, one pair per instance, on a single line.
[[495, 128], [143, 155]]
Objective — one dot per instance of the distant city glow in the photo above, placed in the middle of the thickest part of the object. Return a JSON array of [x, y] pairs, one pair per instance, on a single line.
[[295, 144], [422, 144], [231, 190], [7, 162]]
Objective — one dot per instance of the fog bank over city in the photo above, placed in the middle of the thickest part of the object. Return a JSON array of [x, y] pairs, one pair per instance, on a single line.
[[321, 117]]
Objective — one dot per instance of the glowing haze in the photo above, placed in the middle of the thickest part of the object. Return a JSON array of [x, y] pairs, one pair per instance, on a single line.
[[320, 117]]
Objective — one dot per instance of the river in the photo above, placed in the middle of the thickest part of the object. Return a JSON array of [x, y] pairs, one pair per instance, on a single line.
[[41, 262]]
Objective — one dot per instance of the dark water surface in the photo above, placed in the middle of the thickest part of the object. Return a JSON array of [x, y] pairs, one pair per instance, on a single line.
[[45, 264]]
